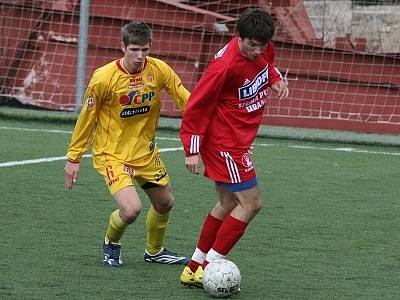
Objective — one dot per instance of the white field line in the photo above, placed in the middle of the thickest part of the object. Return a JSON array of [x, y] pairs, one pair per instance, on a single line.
[[35, 130], [34, 161], [63, 131], [340, 149], [50, 159]]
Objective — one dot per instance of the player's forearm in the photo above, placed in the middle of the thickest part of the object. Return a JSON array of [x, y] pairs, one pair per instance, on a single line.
[[81, 137]]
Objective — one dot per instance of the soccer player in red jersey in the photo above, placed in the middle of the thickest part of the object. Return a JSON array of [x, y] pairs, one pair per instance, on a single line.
[[220, 123]]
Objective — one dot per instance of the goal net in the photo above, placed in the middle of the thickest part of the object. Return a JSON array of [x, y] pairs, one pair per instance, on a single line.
[[340, 58]]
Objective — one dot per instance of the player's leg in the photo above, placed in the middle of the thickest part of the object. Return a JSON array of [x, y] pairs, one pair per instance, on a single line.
[[118, 178], [154, 180], [193, 272], [211, 225], [129, 208], [239, 196], [234, 225], [215, 167]]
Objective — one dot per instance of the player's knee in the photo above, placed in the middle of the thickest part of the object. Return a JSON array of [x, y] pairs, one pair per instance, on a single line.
[[257, 207], [129, 214], [228, 206], [253, 207], [164, 205]]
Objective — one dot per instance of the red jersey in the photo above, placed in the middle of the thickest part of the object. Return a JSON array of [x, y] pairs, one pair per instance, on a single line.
[[226, 106]]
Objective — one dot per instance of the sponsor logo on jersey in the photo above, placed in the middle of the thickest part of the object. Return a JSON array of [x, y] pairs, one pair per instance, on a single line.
[[133, 111], [255, 106], [251, 89], [129, 171], [160, 174], [135, 79], [136, 83], [90, 102], [150, 77], [136, 86], [260, 97], [136, 97], [247, 162], [151, 145]]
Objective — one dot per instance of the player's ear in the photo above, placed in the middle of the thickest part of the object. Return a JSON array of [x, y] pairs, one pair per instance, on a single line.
[[240, 40], [123, 47]]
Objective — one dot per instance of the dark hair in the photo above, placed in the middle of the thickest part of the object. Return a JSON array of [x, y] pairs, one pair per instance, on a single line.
[[257, 24], [136, 32]]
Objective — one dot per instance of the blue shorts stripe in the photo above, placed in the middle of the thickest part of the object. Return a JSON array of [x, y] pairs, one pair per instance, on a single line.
[[239, 187]]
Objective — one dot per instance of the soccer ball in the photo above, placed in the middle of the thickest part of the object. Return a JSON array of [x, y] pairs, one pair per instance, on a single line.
[[221, 278]]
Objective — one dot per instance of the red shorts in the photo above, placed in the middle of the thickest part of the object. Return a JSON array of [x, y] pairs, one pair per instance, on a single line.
[[228, 166]]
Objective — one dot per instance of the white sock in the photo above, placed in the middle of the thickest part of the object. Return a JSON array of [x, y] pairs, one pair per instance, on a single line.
[[213, 255], [199, 256]]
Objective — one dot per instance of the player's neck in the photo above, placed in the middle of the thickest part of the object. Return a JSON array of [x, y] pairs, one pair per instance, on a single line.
[[131, 69]]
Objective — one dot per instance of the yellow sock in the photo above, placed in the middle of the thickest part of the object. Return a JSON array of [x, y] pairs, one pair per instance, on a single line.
[[156, 225], [116, 227]]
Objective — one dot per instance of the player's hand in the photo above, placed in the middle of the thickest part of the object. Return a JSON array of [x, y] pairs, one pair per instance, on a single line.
[[281, 88], [71, 173], [192, 163], [250, 150]]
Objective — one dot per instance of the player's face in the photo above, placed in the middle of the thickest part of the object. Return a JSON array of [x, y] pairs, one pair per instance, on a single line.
[[134, 56], [250, 48]]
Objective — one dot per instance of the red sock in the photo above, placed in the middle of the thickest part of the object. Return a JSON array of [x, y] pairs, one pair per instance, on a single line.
[[207, 238], [208, 233], [228, 234]]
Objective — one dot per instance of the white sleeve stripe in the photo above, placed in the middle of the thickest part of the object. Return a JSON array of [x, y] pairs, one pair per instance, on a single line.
[[194, 144], [232, 167], [280, 74]]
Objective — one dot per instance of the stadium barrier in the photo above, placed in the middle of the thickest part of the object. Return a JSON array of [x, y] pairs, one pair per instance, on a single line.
[[342, 88]]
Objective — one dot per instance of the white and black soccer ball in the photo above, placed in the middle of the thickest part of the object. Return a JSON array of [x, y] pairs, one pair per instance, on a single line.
[[221, 278]]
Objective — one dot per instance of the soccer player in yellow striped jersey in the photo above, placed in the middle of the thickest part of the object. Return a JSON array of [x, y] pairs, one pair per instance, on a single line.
[[119, 118]]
